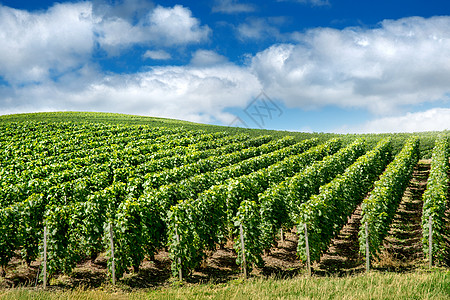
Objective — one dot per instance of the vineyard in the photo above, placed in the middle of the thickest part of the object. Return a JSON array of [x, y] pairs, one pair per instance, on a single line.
[[77, 191]]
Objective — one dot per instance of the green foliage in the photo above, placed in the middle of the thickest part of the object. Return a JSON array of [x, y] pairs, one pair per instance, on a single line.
[[233, 164], [21, 227], [380, 207], [92, 217], [138, 232], [194, 221], [8, 237], [201, 221], [280, 203], [270, 215], [249, 218], [435, 202], [63, 249], [326, 213], [149, 177], [30, 229], [208, 215], [128, 237], [247, 187], [155, 180]]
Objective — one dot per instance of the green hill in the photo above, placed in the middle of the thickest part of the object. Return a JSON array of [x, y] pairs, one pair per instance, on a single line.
[[426, 138]]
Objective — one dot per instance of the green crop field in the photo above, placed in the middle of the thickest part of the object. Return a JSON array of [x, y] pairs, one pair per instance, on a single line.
[[92, 200]]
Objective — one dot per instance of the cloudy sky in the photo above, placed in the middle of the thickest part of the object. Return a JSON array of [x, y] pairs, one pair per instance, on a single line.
[[303, 65]]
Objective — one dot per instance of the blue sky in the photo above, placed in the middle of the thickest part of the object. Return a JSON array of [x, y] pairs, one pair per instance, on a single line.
[[301, 65]]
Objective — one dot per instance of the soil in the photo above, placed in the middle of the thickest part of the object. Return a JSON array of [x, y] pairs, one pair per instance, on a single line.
[[220, 266], [342, 256], [402, 249]]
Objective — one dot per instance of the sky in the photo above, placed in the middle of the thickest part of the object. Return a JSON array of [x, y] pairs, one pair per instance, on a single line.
[[299, 65]]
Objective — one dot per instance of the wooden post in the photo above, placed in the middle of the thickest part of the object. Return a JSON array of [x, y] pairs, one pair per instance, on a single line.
[[282, 235], [113, 263], [244, 263], [44, 269], [180, 271], [430, 240], [367, 247], [37, 276], [308, 257]]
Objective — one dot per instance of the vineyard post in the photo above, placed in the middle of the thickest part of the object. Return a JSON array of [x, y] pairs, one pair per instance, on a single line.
[[430, 240], [367, 247], [180, 271], [308, 258], [37, 276], [44, 269], [244, 263], [113, 264], [282, 235]]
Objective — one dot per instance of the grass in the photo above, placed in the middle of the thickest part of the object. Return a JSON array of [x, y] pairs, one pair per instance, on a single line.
[[433, 284]]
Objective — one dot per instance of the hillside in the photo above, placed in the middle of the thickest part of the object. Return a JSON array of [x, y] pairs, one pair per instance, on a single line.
[[427, 138]]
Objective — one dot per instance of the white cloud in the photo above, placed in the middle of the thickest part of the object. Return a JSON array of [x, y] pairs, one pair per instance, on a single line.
[[266, 28], [232, 7], [157, 55], [192, 93], [317, 2], [310, 2], [37, 45], [258, 29], [43, 45], [175, 26], [436, 119], [162, 26], [207, 58], [401, 63], [130, 10]]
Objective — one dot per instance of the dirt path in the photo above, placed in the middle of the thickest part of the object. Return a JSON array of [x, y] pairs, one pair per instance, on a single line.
[[403, 245], [342, 257]]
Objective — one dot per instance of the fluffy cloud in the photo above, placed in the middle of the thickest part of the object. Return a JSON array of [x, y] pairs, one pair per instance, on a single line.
[[266, 28], [130, 10], [401, 63], [162, 26], [194, 93], [232, 7], [41, 46], [176, 26], [436, 119], [207, 58], [35, 46], [157, 54], [310, 2], [259, 28]]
